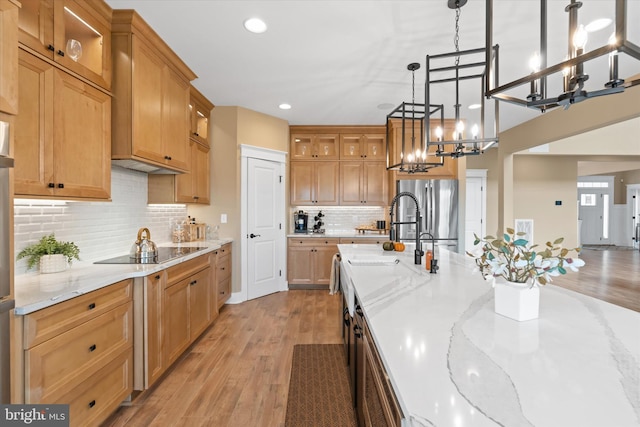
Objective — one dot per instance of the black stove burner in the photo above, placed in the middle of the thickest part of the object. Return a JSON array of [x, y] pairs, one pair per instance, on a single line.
[[164, 254]]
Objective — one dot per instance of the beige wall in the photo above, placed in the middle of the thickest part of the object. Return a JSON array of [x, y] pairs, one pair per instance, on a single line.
[[232, 127], [489, 161]]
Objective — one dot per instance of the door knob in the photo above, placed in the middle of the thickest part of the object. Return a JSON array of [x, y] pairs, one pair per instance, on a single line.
[[254, 235]]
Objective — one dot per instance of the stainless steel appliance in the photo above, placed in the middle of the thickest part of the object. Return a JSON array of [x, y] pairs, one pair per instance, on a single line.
[[6, 301], [301, 219], [438, 202]]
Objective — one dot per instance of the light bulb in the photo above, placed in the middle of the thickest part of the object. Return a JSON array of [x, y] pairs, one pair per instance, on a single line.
[[410, 158], [474, 131], [460, 128], [534, 62], [580, 38], [439, 133], [418, 153], [613, 40], [424, 154]]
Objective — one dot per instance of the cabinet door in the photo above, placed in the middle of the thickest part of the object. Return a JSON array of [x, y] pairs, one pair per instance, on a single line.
[[323, 256], [374, 147], [301, 190], [33, 148], [351, 147], [300, 264], [9, 55], [36, 26], [375, 179], [154, 291], [326, 191], [146, 118], [301, 147], [200, 170], [176, 320], [82, 136], [326, 147], [175, 120], [351, 183], [199, 120], [199, 297]]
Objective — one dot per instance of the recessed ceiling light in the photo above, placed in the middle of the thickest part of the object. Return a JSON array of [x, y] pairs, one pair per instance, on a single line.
[[474, 106], [284, 106], [255, 25], [597, 24], [385, 106]]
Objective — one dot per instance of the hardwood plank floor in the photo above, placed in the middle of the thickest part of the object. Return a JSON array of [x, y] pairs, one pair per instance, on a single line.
[[237, 373]]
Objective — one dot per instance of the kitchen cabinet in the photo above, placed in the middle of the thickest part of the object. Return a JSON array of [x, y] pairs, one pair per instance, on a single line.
[[177, 309], [363, 183], [363, 147], [190, 187], [200, 112], [309, 260], [314, 147], [448, 170], [63, 123], [223, 274], [9, 55], [314, 183], [151, 118], [365, 240], [73, 34], [80, 352]]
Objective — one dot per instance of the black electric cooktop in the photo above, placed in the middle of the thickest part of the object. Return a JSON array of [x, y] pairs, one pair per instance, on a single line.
[[164, 254]]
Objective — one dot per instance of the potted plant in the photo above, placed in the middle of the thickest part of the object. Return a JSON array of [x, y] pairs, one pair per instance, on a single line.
[[521, 269], [50, 254]]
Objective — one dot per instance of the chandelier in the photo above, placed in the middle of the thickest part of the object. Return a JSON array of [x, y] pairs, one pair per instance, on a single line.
[[572, 69]]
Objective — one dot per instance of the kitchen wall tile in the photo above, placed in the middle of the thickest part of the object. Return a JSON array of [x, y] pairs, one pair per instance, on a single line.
[[342, 219], [100, 229]]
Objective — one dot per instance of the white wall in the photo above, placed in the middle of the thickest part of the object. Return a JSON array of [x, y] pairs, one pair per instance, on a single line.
[[100, 229]]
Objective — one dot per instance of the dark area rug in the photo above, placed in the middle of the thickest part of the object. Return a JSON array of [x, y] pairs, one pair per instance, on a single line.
[[319, 393]]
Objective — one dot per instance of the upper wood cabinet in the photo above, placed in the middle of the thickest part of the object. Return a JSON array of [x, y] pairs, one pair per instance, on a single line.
[[200, 111], [9, 56], [151, 118], [74, 34], [362, 147], [314, 147], [363, 183], [62, 134], [314, 183]]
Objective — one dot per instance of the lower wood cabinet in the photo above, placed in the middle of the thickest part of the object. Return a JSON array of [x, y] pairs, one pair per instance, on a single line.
[[79, 352], [365, 240], [309, 260], [223, 274]]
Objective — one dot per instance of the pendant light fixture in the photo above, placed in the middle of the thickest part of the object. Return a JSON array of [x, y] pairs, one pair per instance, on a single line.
[[472, 130], [572, 71]]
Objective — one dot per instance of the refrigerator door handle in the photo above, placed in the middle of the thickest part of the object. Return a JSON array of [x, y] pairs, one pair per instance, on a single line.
[[6, 304]]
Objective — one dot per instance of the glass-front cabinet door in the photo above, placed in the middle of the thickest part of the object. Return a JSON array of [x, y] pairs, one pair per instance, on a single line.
[[77, 35]]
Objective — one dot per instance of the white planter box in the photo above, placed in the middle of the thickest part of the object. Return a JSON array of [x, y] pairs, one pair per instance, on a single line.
[[518, 301], [53, 263]]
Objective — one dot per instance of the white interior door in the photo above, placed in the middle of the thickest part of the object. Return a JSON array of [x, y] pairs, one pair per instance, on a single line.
[[264, 227], [475, 210], [594, 213]]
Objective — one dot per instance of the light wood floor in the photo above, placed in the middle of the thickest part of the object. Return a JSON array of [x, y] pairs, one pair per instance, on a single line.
[[237, 374]]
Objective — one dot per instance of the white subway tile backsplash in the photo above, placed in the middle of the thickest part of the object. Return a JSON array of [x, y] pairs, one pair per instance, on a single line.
[[100, 229], [342, 219]]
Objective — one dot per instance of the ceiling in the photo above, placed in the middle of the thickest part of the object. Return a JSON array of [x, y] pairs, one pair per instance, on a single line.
[[344, 62]]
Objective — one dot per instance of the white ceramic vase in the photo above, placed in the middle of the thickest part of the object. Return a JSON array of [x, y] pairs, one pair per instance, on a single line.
[[53, 263], [518, 301]]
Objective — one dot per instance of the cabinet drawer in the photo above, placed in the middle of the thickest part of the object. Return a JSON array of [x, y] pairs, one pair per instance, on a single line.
[[186, 269], [224, 250], [60, 364], [224, 291], [95, 399], [313, 241], [223, 267], [52, 321]]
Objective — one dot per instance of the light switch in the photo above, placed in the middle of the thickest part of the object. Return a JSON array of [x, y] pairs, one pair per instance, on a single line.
[[223, 218]]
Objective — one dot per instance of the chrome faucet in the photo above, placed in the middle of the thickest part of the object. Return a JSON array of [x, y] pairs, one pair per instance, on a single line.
[[417, 259]]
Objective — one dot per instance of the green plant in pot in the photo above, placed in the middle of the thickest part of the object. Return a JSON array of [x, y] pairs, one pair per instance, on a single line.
[[47, 246]]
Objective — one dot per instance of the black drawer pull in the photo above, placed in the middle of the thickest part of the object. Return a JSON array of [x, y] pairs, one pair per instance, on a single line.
[[157, 277], [51, 48], [92, 306], [92, 404], [61, 185], [193, 282], [61, 53], [92, 348], [51, 185]]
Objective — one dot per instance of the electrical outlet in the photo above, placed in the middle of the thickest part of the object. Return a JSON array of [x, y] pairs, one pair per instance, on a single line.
[[223, 218]]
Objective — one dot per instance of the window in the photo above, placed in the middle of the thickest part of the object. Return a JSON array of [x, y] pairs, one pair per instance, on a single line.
[[593, 185], [587, 200]]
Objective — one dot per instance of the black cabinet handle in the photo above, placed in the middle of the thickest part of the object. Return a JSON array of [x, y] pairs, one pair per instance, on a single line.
[[193, 282], [92, 306], [196, 134], [92, 348], [61, 185], [157, 277], [167, 157], [92, 404], [357, 331], [359, 311], [51, 185], [51, 48], [61, 53]]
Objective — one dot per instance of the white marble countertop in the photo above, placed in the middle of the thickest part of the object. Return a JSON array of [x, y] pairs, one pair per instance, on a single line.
[[454, 362], [36, 291], [343, 234]]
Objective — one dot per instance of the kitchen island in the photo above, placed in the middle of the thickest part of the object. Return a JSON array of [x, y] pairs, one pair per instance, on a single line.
[[452, 361]]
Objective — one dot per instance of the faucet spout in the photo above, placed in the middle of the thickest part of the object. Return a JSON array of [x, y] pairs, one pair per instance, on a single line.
[[392, 233]]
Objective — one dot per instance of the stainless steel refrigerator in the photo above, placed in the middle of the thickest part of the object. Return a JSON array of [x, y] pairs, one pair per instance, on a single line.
[[6, 301], [438, 202]]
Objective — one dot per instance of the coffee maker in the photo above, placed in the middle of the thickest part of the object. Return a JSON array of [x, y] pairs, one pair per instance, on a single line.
[[300, 219]]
